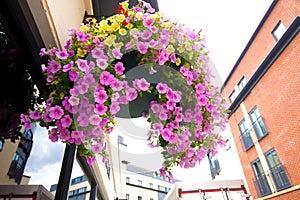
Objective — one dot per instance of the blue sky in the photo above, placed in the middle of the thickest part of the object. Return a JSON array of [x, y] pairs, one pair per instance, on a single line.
[[227, 25]]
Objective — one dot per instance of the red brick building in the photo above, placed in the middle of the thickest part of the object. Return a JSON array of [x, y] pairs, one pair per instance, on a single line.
[[263, 91]]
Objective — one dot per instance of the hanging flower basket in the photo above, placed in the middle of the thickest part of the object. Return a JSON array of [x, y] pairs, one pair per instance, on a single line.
[[91, 80]]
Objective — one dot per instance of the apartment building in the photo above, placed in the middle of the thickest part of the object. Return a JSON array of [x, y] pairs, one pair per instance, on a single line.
[[264, 94], [14, 156]]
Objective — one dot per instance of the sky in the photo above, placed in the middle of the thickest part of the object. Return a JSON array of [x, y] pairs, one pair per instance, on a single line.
[[227, 26]]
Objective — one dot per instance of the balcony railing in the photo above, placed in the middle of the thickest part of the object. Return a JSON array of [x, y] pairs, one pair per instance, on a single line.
[[262, 185], [280, 177], [246, 140], [259, 128]]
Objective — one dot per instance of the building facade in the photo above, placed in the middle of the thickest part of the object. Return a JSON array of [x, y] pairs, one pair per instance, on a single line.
[[14, 156], [264, 95]]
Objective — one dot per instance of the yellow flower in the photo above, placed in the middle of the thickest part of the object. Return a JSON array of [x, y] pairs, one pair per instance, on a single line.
[[103, 25], [81, 52], [129, 26], [173, 40], [181, 49], [139, 15], [170, 49], [118, 45], [188, 46], [115, 26], [167, 25], [110, 40], [157, 15], [178, 61], [191, 54], [94, 21], [120, 17], [123, 31], [125, 5], [83, 28]]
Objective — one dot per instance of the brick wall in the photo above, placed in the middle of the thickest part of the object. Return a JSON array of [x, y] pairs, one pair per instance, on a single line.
[[277, 96]]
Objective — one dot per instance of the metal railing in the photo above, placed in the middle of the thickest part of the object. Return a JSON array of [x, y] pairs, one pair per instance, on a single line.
[[280, 177], [262, 186]]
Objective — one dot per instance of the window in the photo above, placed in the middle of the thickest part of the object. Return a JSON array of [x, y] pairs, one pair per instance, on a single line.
[[245, 135], [127, 196], [121, 140], [233, 95], [127, 179], [1, 144], [107, 166], [277, 170], [139, 198], [258, 123], [78, 180], [158, 187], [214, 165], [19, 159], [242, 83], [228, 145], [27, 134], [261, 180], [151, 185], [139, 182], [279, 30]]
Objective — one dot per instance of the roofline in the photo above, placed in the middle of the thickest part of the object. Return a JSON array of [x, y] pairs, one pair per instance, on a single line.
[[269, 11], [284, 41]]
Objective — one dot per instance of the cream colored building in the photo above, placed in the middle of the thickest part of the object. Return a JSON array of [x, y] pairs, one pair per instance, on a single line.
[[13, 158]]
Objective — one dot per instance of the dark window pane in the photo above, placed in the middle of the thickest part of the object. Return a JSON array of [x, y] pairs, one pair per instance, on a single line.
[[277, 170], [260, 179], [245, 134]]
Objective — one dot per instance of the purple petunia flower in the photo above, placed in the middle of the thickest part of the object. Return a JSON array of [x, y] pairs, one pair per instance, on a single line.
[[66, 121], [100, 109], [100, 96], [106, 78], [131, 94], [119, 68], [97, 148], [142, 47], [53, 66], [117, 53], [114, 108], [62, 54], [56, 112], [34, 115]]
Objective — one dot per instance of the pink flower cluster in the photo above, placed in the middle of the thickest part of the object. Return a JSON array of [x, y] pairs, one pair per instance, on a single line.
[[88, 85]]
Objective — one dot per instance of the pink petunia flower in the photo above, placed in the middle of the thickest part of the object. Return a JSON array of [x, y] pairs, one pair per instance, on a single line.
[[56, 112], [97, 148], [34, 115], [131, 94], [66, 121], [117, 53], [62, 54], [100, 109], [100, 96], [119, 68]]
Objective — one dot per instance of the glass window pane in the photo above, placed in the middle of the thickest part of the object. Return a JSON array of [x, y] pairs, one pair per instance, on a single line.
[[279, 30], [247, 140], [258, 123], [261, 179], [242, 83], [277, 170], [1, 145]]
